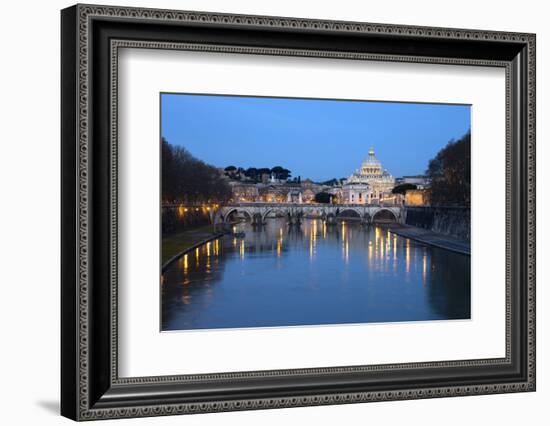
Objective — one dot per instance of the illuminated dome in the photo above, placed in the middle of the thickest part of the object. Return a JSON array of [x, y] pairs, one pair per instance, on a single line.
[[371, 159], [369, 183], [371, 166]]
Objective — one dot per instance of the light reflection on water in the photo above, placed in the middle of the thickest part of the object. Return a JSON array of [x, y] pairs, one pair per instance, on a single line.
[[279, 275]]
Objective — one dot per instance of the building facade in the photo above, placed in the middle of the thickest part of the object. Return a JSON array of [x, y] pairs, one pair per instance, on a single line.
[[417, 197], [244, 192], [371, 184]]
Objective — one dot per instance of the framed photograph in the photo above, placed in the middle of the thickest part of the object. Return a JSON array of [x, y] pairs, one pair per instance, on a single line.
[[263, 212]]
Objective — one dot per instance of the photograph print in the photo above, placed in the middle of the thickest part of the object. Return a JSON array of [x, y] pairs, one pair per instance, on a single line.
[[279, 212]]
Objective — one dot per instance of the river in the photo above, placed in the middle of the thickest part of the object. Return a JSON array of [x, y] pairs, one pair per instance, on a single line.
[[313, 274]]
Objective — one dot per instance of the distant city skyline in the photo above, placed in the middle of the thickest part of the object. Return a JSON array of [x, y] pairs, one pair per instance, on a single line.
[[315, 139]]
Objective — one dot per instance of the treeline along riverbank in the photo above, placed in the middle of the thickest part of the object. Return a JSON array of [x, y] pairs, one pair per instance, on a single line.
[[177, 219]]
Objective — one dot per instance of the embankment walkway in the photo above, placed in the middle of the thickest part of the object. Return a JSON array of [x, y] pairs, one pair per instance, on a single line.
[[200, 238], [425, 236]]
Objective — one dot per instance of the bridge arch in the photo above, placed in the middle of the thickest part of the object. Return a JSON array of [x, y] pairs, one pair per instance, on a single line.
[[356, 212], [384, 215], [237, 210], [276, 210]]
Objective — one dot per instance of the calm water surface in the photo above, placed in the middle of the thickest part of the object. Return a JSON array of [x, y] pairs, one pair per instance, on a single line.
[[313, 274]]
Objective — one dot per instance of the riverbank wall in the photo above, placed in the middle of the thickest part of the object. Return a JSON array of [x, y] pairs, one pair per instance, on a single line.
[[452, 221]]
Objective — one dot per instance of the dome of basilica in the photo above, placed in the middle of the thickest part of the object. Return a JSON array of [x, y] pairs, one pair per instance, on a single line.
[[368, 183]]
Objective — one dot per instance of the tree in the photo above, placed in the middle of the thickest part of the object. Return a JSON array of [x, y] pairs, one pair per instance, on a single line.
[[277, 170], [404, 187], [286, 175], [190, 180], [323, 197], [280, 173], [230, 171], [450, 173], [252, 173], [168, 174], [263, 171]]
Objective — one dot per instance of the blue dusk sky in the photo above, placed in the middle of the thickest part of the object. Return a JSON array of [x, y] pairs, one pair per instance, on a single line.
[[316, 139]]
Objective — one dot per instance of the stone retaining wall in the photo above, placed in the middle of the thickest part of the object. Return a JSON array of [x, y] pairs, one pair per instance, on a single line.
[[454, 221]]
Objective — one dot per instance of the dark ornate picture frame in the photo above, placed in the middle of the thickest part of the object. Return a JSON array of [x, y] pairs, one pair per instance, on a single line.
[[90, 385]]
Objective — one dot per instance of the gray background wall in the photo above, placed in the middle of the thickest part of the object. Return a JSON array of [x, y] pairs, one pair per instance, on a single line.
[[29, 243]]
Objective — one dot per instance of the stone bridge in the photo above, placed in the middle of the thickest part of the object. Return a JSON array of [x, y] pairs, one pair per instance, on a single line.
[[259, 212]]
